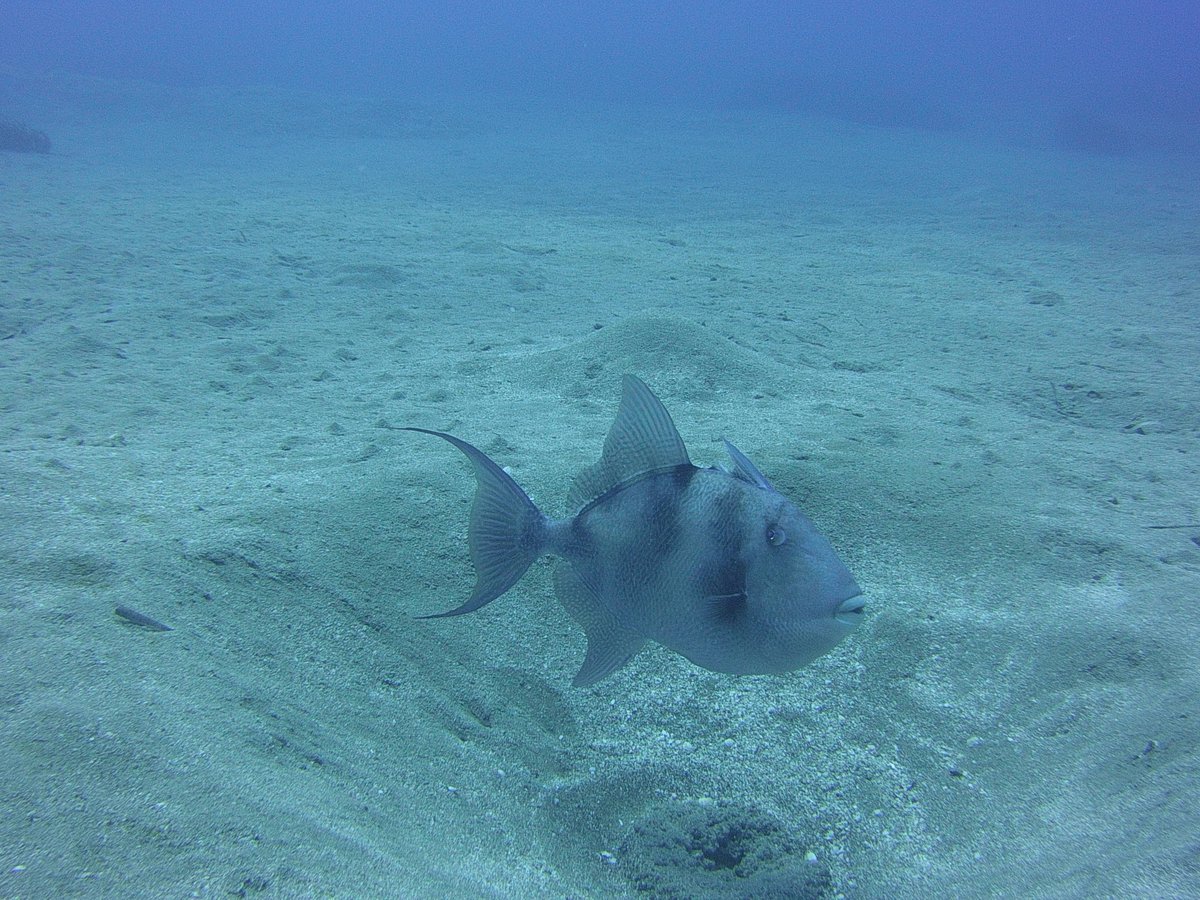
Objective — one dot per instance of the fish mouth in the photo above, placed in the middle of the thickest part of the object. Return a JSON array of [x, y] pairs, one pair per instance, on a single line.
[[850, 610]]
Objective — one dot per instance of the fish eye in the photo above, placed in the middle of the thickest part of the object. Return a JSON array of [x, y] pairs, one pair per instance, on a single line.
[[776, 535]]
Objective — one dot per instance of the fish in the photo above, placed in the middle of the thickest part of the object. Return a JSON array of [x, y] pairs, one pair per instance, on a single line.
[[139, 618], [712, 563]]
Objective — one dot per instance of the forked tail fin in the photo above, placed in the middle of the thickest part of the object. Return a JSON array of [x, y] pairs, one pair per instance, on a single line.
[[506, 533]]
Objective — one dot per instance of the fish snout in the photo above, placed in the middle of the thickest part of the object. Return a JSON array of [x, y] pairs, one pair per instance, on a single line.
[[850, 611]]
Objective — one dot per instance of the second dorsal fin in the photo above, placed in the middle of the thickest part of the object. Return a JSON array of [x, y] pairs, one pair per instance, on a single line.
[[642, 439]]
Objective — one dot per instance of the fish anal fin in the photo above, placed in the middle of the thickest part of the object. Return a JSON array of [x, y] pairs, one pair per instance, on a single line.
[[609, 643]]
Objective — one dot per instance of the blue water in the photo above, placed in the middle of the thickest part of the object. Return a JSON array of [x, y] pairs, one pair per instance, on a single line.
[[1121, 77], [933, 269]]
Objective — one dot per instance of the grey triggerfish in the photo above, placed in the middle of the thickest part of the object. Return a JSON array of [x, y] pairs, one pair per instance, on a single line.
[[714, 564]]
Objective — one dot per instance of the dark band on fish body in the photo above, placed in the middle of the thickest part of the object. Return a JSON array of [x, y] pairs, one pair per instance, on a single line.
[[660, 514], [684, 471], [659, 508], [723, 572], [581, 542], [727, 509], [663, 510]]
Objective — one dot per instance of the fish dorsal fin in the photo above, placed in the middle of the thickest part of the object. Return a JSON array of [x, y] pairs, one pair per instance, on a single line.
[[746, 470], [642, 439]]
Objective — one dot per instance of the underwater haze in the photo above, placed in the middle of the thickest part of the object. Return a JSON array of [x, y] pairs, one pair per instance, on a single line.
[[934, 268], [1120, 76]]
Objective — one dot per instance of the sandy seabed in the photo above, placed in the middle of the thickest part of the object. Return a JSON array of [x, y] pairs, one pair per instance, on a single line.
[[973, 365]]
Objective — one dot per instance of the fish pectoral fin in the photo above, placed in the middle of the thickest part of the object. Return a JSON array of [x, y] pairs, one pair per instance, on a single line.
[[610, 644], [721, 611]]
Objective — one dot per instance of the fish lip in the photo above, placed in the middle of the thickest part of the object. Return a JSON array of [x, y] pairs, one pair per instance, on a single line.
[[850, 610]]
